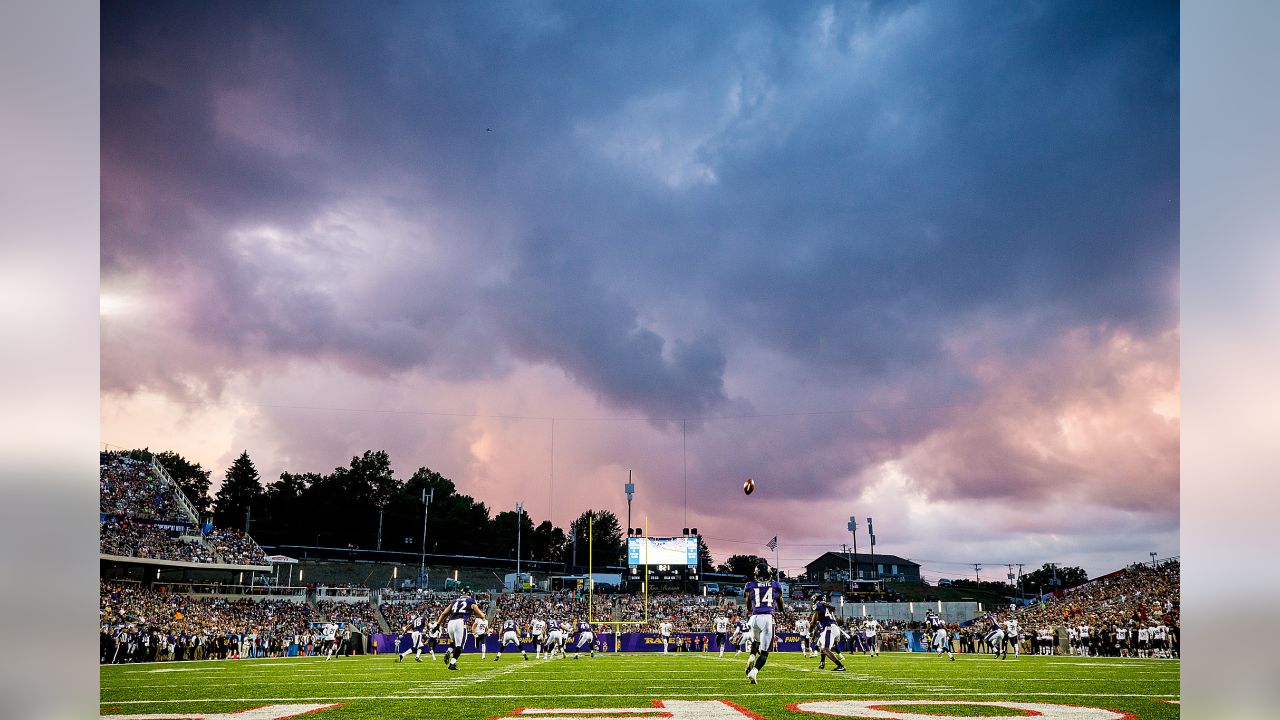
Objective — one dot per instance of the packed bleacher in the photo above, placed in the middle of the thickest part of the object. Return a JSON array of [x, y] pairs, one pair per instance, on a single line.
[[126, 538], [143, 515], [140, 624], [131, 488], [1109, 615], [235, 548], [360, 614]]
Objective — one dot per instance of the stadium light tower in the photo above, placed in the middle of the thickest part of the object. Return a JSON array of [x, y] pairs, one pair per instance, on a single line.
[[630, 490], [853, 530], [427, 497], [519, 524]]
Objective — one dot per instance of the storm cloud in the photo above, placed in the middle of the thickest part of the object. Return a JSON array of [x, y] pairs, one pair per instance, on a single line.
[[819, 240]]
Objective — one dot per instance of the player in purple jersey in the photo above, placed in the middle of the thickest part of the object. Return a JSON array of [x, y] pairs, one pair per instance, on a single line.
[[941, 642], [824, 618], [763, 598], [586, 638], [510, 636], [457, 613]]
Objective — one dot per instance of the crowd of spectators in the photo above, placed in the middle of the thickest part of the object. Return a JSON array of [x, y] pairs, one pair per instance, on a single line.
[[360, 614], [235, 548], [130, 488], [138, 624], [128, 538], [1104, 616]]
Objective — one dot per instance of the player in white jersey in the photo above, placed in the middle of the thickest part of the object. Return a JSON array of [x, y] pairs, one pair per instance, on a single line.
[[722, 632], [417, 628], [1012, 635], [329, 631], [480, 635], [871, 635], [434, 632], [802, 629], [1159, 640], [1045, 638], [456, 614], [539, 631], [1144, 641], [510, 636], [941, 642], [664, 629]]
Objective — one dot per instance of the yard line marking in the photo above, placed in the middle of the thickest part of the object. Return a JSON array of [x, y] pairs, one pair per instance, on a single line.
[[559, 696]]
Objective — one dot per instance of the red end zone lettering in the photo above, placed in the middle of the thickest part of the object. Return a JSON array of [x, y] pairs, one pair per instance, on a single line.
[[267, 712], [878, 709], [871, 709]]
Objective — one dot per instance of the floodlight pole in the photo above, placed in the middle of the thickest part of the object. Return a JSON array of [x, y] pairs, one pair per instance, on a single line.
[[853, 530], [426, 504], [519, 524]]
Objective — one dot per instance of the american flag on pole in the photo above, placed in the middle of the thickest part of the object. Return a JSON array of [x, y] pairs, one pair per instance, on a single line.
[[773, 544]]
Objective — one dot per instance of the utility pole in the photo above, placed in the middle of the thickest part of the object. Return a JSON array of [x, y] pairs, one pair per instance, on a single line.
[[519, 527], [249, 510], [1010, 575], [1153, 555], [976, 567], [379, 528], [427, 497], [1020, 588]]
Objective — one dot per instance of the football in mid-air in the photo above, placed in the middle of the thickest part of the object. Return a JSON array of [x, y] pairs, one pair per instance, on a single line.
[[749, 486]]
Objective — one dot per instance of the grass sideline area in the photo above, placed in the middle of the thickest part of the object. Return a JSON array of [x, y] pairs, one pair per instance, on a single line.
[[378, 687]]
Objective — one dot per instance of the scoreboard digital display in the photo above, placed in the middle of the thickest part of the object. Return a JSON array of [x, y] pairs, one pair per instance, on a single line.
[[669, 551]]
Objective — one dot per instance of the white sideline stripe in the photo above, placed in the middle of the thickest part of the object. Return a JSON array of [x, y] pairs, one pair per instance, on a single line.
[[561, 697]]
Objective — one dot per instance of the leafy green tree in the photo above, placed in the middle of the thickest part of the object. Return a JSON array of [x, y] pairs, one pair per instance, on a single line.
[[606, 535], [240, 491], [744, 565], [284, 521], [189, 476], [1049, 579], [548, 542]]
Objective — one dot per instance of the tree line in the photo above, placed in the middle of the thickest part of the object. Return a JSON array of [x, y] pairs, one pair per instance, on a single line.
[[346, 507]]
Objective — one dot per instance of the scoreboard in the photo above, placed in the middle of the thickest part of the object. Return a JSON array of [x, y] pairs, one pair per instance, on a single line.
[[668, 559], [662, 551]]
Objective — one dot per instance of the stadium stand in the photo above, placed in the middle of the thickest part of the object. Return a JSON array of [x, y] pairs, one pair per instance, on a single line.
[[143, 514]]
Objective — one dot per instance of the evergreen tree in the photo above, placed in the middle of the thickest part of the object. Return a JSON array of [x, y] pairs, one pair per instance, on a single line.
[[241, 491]]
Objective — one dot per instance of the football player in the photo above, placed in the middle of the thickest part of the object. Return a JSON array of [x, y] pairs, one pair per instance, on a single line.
[[764, 597], [479, 634], [510, 636], [585, 637], [416, 627], [456, 614], [722, 631], [539, 632], [664, 629], [802, 629], [941, 641], [824, 618]]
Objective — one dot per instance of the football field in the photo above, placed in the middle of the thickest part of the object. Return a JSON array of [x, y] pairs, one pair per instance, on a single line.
[[690, 686]]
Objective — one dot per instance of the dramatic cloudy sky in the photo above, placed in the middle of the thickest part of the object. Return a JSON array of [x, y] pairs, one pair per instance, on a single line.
[[911, 260]]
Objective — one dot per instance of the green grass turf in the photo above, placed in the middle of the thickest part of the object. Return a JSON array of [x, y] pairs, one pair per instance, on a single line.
[[378, 687]]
